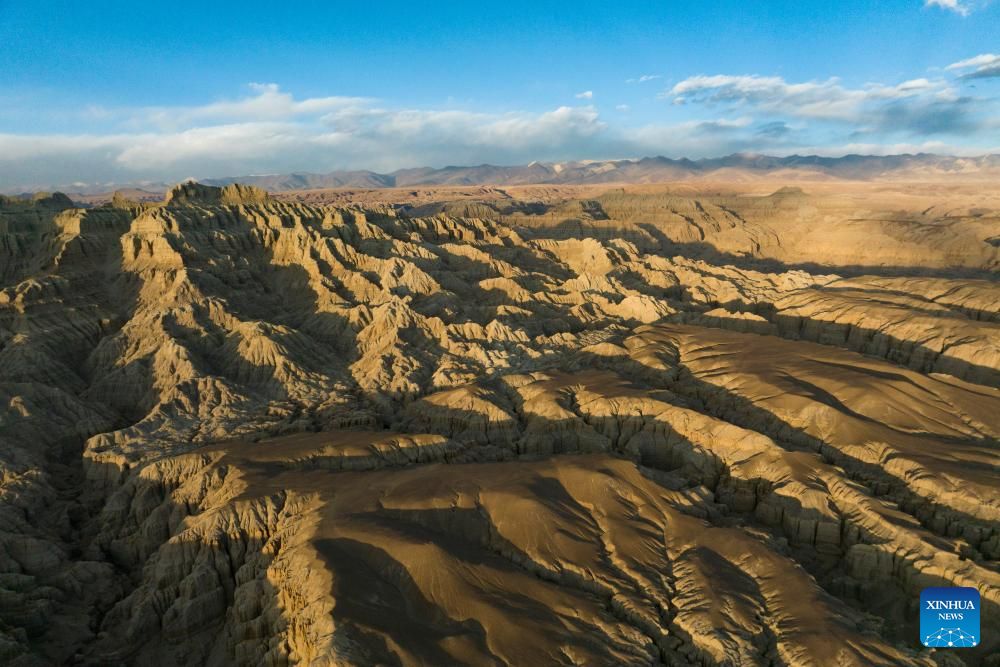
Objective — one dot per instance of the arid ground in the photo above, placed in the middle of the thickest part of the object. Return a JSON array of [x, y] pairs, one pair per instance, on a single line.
[[698, 423]]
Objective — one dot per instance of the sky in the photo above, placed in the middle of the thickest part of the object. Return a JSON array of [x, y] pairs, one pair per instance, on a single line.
[[128, 92]]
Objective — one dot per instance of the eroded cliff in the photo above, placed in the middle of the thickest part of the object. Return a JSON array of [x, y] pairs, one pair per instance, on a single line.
[[239, 430]]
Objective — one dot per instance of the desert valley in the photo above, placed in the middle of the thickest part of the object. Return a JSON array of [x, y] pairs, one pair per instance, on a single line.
[[688, 423]]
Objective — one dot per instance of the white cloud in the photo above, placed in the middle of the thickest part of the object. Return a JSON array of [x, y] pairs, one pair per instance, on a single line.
[[585, 95], [953, 5], [643, 79], [312, 134], [917, 106], [812, 99], [268, 102], [986, 65], [239, 141], [450, 132], [379, 139], [272, 131], [976, 61]]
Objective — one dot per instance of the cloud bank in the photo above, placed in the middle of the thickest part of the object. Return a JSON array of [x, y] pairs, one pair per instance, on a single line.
[[270, 130]]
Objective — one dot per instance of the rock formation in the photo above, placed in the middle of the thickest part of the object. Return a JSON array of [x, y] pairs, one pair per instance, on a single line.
[[630, 429]]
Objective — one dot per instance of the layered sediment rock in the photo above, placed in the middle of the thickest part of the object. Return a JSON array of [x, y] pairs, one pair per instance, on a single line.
[[245, 431]]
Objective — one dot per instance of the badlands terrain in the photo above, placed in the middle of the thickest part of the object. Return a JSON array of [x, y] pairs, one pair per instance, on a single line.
[[568, 423]]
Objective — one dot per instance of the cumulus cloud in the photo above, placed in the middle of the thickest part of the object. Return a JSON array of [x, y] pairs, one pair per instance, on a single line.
[[953, 5], [922, 106], [271, 131], [983, 66], [585, 95], [400, 137]]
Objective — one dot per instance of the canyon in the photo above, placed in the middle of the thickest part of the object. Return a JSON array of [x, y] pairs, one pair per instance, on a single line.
[[681, 424]]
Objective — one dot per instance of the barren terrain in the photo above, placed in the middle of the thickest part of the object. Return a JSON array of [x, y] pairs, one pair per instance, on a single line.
[[699, 423]]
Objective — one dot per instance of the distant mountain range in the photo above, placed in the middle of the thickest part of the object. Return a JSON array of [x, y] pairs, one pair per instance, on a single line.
[[736, 167], [645, 170]]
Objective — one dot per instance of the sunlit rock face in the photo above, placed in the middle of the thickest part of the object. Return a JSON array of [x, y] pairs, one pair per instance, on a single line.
[[630, 428]]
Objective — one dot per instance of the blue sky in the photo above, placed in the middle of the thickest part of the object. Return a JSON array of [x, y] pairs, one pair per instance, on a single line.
[[112, 92]]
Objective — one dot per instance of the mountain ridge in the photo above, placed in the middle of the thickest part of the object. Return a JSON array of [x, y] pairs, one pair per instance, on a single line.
[[641, 170], [733, 167]]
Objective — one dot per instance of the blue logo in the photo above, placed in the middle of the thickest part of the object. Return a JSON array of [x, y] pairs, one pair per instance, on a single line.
[[949, 617]]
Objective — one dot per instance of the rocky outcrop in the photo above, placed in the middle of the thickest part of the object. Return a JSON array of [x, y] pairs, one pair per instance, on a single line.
[[915, 332], [275, 565], [192, 193]]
